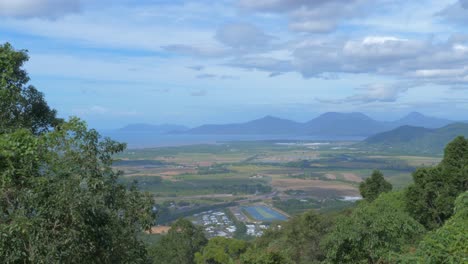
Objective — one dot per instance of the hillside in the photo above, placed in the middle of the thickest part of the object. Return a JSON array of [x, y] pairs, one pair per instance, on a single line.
[[408, 139], [419, 120], [268, 125], [344, 124]]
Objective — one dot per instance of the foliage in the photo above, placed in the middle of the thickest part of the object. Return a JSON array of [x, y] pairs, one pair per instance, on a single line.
[[21, 105], [372, 232], [430, 199], [180, 244], [415, 140], [60, 200], [448, 244], [373, 186], [297, 240], [255, 256], [220, 250]]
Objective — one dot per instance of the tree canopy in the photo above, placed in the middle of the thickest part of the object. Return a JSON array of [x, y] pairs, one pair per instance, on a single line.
[[372, 233], [430, 200], [180, 244], [21, 105], [60, 199], [373, 186]]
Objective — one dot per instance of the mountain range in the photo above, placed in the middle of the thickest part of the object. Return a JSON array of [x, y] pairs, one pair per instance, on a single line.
[[330, 124], [410, 139]]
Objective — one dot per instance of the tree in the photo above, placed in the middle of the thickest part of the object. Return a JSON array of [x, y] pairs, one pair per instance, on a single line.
[[431, 198], [180, 244], [21, 105], [297, 240], [372, 233], [373, 186], [60, 200], [259, 256], [447, 244], [302, 236], [221, 250]]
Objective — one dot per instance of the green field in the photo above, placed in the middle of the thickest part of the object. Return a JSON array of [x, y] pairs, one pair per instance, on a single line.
[[205, 175]]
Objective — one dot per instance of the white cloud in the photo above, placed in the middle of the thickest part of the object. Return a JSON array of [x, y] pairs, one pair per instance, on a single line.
[[378, 47], [38, 8], [373, 93], [318, 16], [378, 93]]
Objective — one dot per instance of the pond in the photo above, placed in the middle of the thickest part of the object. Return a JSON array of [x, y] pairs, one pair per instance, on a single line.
[[264, 213]]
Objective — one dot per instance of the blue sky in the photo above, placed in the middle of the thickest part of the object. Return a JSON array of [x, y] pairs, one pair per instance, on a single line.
[[193, 62]]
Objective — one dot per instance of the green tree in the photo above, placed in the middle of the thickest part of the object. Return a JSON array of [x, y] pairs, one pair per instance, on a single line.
[[220, 250], [431, 198], [261, 256], [302, 236], [373, 186], [372, 233], [21, 105], [60, 200], [448, 244], [180, 244]]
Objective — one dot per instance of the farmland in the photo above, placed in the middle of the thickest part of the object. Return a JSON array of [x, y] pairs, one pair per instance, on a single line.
[[291, 176]]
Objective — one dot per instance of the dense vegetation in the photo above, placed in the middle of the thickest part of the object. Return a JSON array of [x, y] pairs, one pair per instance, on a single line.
[[61, 202], [416, 140]]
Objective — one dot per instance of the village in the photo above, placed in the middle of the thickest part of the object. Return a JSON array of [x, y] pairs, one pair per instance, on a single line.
[[216, 223]]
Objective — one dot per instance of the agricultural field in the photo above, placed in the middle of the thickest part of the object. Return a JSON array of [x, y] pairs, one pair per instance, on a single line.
[[308, 175]]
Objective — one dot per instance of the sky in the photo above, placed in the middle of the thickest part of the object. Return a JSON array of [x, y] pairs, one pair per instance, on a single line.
[[115, 62]]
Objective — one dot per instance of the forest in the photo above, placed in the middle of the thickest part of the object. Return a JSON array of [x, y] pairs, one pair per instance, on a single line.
[[61, 201]]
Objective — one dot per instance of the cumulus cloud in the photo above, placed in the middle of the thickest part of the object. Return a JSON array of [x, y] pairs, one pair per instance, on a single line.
[[378, 93], [242, 35], [316, 16], [371, 93], [423, 60], [38, 8]]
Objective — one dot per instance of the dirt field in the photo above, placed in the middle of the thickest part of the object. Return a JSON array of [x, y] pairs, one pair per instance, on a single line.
[[314, 185], [351, 177]]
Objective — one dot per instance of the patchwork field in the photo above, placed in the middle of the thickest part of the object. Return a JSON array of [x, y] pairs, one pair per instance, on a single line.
[[190, 178]]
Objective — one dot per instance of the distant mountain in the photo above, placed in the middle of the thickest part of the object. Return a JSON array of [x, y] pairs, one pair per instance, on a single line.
[[420, 120], [328, 124], [408, 139], [148, 128], [268, 125], [344, 124]]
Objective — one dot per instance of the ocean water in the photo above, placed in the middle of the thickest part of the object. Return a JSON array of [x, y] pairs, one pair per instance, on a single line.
[[152, 140]]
